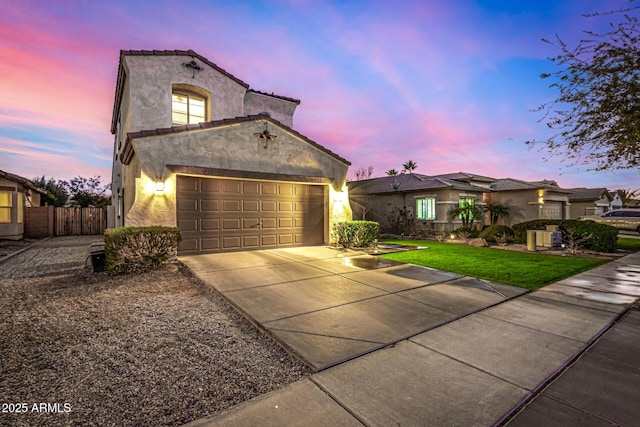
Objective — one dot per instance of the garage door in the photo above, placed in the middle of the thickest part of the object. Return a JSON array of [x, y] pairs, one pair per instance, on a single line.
[[218, 215], [551, 210]]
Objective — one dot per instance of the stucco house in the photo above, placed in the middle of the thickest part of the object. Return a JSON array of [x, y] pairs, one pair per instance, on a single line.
[[196, 147], [589, 201], [426, 199], [529, 200], [16, 193], [430, 198]]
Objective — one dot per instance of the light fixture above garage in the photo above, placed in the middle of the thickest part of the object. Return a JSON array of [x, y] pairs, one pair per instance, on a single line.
[[265, 135]]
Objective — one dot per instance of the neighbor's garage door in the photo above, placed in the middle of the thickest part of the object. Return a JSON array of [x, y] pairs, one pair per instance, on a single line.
[[218, 215], [551, 210]]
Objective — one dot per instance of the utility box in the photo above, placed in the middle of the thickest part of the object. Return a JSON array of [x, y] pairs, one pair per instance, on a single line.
[[548, 239], [531, 240]]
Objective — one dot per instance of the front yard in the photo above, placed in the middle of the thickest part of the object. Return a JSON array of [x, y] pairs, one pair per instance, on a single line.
[[526, 270], [157, 349]]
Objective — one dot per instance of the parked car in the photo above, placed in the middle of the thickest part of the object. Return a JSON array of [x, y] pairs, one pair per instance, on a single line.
[[623, 219]]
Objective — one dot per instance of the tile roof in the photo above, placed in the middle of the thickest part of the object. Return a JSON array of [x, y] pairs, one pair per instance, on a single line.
[[24, 181], [586, 194], [464, 176], [509, 184], [286, 98], [409, 182], [120, 78], [127, 151]]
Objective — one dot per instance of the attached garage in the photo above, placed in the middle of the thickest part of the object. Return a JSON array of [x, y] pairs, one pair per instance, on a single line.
[[551, 210], [226, 214]]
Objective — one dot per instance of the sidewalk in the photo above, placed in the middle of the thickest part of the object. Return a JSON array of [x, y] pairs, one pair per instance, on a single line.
[[477, 369]]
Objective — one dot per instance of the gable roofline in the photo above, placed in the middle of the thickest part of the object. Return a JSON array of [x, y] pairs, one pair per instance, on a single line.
[[120, 79], [24, 181], [128, 151], [588, 194], [411, 182], [272, 95]]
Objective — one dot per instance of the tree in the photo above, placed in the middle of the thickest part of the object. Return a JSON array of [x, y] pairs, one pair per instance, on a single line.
[[392, 172], [496, 211], [85, 192], [627, 195], [597, 112], [56, 193], [467, 212], [364, 173], [410, 166]]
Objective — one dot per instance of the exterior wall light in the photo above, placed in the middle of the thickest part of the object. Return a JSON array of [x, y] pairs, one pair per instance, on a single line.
[[159, 186]]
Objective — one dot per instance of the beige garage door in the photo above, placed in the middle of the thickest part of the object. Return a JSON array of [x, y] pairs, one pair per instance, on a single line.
[[551, 210], [218, 215]]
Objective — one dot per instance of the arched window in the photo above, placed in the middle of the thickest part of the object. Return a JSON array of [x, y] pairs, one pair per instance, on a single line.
[[188, 105]]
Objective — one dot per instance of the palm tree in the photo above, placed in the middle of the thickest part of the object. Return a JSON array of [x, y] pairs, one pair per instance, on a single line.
[[392, 172], [410, 166], [496, 211], [627, 195]]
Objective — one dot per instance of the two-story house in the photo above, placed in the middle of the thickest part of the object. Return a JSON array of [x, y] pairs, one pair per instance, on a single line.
[[196, 148]]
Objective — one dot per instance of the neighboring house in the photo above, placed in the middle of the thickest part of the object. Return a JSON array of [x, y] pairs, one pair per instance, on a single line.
[[530, 200], [196, 148], [589, 201], [423, 198], [431, 198], [16, 193]]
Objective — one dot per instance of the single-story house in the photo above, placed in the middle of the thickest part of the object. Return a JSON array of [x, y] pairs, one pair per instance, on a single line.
[[431, 198], [589, 201], [529, 200], [196, 147], [16, 193], [413, 198]]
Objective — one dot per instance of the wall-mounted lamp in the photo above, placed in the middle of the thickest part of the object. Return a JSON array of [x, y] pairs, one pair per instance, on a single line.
[[159, 186]]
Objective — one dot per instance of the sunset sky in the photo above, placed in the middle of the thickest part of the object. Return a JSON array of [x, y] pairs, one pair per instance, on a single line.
[[449, 84]]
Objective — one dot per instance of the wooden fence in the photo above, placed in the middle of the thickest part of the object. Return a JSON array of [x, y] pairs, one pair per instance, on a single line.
[[49, 221], [74, 221]]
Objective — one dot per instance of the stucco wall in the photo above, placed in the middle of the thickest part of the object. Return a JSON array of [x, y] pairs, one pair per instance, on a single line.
[[279, 109], [231, 148], [381, 206], [236, 148], [151, 79]]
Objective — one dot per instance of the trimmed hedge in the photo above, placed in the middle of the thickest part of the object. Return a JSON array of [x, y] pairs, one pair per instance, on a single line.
[[490, 232], [604, 238], [356, 234], [139, 249]]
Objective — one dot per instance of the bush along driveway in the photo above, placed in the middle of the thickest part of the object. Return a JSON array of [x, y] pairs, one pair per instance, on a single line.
[[526, 270]]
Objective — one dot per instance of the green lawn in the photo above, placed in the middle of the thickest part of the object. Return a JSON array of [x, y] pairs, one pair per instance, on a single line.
[[526, 270], [629, 244]]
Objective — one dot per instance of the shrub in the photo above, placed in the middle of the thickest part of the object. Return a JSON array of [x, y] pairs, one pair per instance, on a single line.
[[356, 234], [603, 238], [466, 233], [489, 233], [138, 249]]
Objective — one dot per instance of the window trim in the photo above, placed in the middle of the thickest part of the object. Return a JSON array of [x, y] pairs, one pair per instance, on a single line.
[[431, 201], [189, 92]]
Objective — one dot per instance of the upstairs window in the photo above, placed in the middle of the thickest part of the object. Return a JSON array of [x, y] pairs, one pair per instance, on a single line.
[[187, 108], [426, 208]]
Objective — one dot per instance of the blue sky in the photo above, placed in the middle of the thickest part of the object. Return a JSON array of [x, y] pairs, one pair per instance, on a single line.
[[449, 84]]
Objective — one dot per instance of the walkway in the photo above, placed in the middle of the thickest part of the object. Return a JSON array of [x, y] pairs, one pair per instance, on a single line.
[[471, 371]]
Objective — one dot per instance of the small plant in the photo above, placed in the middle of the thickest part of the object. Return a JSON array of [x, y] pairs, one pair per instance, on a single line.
[[356, 234], [491, 232], [139, 249], [440, 236], [464, 233], [574, 240], [503, 239]]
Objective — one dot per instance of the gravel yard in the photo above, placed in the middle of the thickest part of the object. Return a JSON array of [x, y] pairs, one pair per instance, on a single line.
[[153, 349]]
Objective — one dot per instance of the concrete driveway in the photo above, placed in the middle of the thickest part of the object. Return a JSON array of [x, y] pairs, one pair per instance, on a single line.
[[330, 305]]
